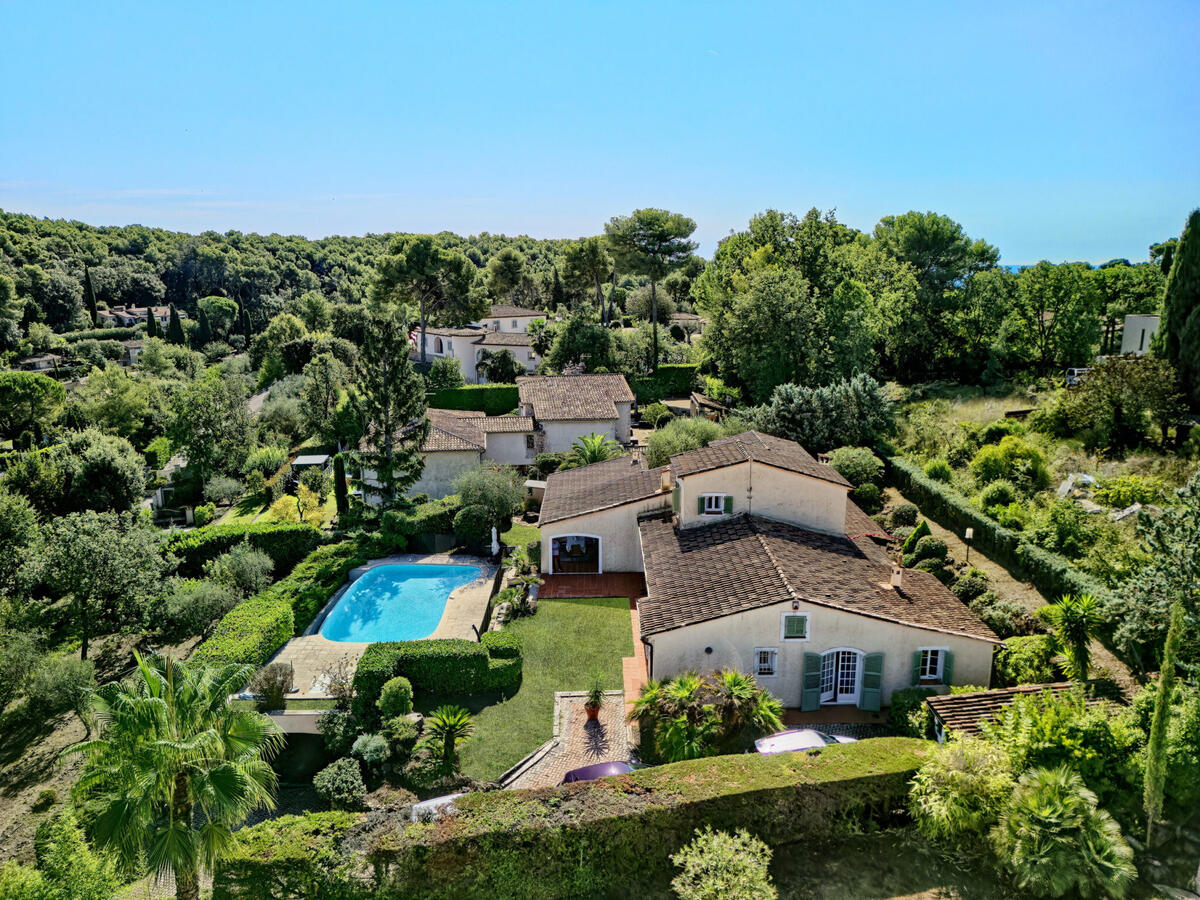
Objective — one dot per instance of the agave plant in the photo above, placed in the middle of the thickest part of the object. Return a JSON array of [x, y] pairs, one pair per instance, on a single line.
[[449, 724]]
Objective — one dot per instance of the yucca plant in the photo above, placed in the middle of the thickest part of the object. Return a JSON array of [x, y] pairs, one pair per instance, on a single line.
[[175, 767], [449, 724], [1073, 620], [1057, 842], [592, 448]]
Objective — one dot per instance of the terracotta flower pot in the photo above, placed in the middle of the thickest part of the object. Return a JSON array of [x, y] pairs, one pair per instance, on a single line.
[[593, 712]]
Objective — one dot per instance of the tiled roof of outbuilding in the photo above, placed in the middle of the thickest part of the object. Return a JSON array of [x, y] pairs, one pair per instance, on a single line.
[[758, 447], [574, 397], [575, 492], [964, 713], [505, 339]]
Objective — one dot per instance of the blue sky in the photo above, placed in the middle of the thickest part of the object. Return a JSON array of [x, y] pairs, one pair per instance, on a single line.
[[1059, 131]]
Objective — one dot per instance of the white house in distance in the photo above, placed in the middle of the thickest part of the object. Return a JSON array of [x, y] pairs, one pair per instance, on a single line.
[[510, 319], [467, 346], [567, 407], [129, 316], [756, 559], [1136, 335]]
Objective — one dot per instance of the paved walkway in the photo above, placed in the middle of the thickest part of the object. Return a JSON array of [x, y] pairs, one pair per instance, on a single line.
[[633, 668], [577, 742], [611, 584], [311, 654]]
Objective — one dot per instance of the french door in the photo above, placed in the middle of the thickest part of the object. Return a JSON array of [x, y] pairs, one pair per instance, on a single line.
[[840, 671]]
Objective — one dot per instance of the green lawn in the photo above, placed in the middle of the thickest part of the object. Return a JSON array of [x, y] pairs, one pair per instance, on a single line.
[[245, 510], [565, 643], [521, 534]]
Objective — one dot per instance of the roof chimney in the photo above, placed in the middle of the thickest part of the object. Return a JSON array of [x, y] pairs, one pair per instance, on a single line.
[[665, 483], [897, 576]]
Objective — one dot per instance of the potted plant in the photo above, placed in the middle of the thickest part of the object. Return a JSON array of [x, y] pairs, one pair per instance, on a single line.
[[595, 699]]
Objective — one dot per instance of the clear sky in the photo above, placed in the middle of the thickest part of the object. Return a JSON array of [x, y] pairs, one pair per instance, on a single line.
[[1062, 130]]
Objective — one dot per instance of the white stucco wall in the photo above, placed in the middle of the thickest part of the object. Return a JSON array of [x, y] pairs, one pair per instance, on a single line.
[[620, 540], [624, 426], [1137, 332], [509, 448], [561, 435], [460, 348], [436, 480], [506, 324], [734, 638], [767, 491]]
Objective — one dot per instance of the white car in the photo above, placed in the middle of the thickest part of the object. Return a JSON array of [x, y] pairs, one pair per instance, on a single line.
[[799, 739]]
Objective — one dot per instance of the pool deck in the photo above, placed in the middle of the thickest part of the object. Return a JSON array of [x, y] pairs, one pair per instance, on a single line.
[[311, 654]]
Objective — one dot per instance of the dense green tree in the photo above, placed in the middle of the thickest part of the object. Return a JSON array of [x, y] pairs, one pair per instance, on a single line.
[[505, 273], [11, 309], [390, 398], [853, 412], [210, 424], [1179, 337], [653, 243], [110, 567], [266, 353], [440, 282], [176, 767], [152, 329], [175, 333], [444, 372], [1162, 254], [588, 264], [324, 380], [222, 315], [19, 539], [204, 333], [1125, 290], [580, 340], [1055, 320], [312, 309], [28, 402], [499, 366]]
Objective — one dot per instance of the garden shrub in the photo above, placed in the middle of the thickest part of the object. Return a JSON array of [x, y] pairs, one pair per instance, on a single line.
[[340, 784], [372, 749], [1063, 528], [1007, 618], [936, 568], [339, 729], [402, 737], [220, 489], [996, 431], [1013, 459], [242, 569], [59, 684], [959, 793], [858, 465], [720, 866], [266, 461], [204, 514], [158, 453], [868, 496], [1126, 490], [969, 586], [396, 698], [490, 399], [903, 514], [271, 685], [938, 470], [285, 544], [502, 644], [1182, 745], [907, 713], [901, 533], [19, 658], [473, 524], [1025, 660], [910, 542], [669, 380], [657, 413], [929, 547], [433, 517], [998, 493], [193, 605]]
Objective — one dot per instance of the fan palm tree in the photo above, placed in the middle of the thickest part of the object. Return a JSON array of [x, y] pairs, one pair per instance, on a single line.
[[449, 724], [592, 448], [743, 707], [1073, 620], [170, 746]]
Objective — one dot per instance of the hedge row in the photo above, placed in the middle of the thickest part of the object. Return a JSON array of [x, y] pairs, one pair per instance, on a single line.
[[254, 629], [285, 542], [1050, 573], [442, 666], [491, 399], [434, 517], [671, 380], [609, 838], [102, 334]]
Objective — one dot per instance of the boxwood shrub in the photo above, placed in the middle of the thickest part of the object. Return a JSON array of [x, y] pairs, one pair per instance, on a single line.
[[502, 644], [491, 399], [286, 544]]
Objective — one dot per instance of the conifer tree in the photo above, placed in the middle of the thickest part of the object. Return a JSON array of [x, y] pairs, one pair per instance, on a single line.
[[1180, 335], [1156, 749], [152, 325], [245, 320], [89, 296], [204, 332], [175, 328], [339, 485], [558, 296]]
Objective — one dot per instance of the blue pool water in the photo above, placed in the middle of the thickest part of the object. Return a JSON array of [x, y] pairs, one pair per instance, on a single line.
[[395, 603]]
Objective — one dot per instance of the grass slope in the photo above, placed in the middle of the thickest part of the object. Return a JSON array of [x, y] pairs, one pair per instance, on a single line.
[[565, 643]]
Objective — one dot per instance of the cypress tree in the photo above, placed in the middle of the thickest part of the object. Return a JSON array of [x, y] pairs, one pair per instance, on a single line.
[[339, 485], [1156, 749], [89, 295], [204, 332], [152, 325], [245, 320], [1180, 336], [175, 328], [558, 296]]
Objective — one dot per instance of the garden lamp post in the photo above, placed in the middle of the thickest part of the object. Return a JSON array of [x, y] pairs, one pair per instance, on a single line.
[[967, 535]]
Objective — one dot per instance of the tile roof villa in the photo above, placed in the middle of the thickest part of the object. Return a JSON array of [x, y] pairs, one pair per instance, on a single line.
[[573, 397]]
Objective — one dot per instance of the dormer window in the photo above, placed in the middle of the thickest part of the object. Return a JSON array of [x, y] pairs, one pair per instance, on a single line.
[[715, 504]]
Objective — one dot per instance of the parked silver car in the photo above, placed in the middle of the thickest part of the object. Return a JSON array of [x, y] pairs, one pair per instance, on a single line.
[[798, 739]]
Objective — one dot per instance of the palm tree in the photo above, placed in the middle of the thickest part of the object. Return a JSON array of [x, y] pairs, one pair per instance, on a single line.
[[170, 745], [592, 448], [449, 724], [743, 707], [1072, 621]]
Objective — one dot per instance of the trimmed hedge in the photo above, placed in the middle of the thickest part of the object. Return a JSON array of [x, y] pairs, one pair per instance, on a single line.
[[102, 334], [434, 517], [285, 542], [612, 837], [257, 627], [671, 380], [502, 644], [1050, 573], [441, 666], [491, 399]]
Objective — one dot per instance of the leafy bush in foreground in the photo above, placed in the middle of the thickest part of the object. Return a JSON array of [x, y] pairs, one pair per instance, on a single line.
[[340, 784], [721, 866], [960, 792]]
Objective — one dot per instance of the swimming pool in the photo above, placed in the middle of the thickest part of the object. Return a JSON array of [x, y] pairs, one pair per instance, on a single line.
[[395, 603]]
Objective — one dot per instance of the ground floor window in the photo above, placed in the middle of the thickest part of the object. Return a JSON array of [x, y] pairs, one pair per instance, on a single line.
[[575, 554], [931, 665], [766, 661]]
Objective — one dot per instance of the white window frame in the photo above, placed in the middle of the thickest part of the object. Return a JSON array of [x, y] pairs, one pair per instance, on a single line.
[[720, 498], [774, 656], [941, 663], [783, 626]]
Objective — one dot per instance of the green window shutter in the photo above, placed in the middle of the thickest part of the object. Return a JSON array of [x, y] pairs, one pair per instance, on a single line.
[[700, 505], [728, 504], [916, 672], [810, 690], [675, 499], [872, 682], [947, 667], [795, 626]]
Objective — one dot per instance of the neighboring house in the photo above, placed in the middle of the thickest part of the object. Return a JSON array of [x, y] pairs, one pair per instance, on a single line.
[[133, 351], [467, 346], [964, 714], [130, 316], [311, 461], [567, 407], [689, 322], [41, 363], [755, 558], [510, 319], [460, 440], [1137, 333]]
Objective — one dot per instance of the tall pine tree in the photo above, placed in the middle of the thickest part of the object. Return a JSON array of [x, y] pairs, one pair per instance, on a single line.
[[204, 334], [1180, 337], [89, 296], [152, 324], [175, 328], [390, 398]]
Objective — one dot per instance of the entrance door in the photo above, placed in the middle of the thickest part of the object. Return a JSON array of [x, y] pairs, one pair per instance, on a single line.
[[575, 554], [840, 680]]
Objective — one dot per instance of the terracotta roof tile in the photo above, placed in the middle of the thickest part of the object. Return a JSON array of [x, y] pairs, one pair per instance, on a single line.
[[505, 424], [964, 713], [507, 311], [757, 447], [705, 572], [574, 397], [505, 339], [574, 492]]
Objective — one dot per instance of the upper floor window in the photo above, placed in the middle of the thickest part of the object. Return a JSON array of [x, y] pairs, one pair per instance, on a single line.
[[514, 325], [795, 627], [715, 504]]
